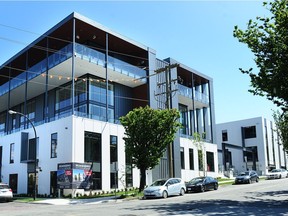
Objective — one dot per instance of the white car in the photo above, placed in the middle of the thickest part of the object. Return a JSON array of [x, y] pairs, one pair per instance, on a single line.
[[165, 187], [277, 174], [6, 193]]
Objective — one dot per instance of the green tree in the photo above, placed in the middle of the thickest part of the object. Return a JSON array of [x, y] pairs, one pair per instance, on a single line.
[[148, 133], [281, 121], [267, 37]]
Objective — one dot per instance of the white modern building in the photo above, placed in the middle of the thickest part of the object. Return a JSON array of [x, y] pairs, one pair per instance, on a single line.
[[250, 144], [72, 84]]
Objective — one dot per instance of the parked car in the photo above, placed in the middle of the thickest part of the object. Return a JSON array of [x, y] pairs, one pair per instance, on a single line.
[[202, 184], [247, 177], [277, 174], [165, 187], [6, 193]]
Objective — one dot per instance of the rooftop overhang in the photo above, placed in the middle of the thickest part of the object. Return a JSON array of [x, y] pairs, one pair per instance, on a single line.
[[87, 32]]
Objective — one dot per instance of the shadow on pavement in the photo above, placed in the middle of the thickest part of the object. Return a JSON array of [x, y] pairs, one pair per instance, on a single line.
[[222, 207]]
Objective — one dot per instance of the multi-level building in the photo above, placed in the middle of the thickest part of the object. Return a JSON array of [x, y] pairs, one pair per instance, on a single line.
[[250, 144], [71, 85]]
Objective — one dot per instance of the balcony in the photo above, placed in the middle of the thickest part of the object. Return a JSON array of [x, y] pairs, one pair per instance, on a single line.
[[82, 52], [116, 65], [186, 96]]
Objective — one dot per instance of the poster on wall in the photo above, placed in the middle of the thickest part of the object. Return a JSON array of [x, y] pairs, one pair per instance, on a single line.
[[74, 175]]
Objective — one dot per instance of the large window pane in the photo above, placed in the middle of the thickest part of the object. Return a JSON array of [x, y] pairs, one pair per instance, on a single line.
[[210, 162], [63, 97], [92, 153]]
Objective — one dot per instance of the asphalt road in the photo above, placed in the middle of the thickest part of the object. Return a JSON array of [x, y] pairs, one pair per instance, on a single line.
[[268, 197]]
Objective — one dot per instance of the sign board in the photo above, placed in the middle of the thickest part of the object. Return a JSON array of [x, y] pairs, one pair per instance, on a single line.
[[74, 175]]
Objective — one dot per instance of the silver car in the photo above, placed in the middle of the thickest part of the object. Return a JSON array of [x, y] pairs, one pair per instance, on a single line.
[[6, 193], [165, 187]]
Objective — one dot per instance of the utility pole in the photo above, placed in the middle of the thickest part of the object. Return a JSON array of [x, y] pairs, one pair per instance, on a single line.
[[167, 92]]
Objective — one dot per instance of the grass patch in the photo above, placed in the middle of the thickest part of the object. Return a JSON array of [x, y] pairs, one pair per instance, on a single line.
[[27, 199]]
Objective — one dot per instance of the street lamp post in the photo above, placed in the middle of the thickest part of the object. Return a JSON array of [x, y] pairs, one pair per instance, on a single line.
[[11, 112]]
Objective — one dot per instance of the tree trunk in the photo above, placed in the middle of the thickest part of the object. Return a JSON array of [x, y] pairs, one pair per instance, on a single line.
[[142, 179]]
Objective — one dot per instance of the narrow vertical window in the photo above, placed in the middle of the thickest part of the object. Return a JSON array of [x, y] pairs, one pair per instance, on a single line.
[[54, 145], [182, 158], [113, 162], [12, 153], [191, 159]]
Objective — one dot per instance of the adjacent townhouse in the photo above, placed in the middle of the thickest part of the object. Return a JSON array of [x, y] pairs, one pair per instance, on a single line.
[[71, 85], [251, 144]]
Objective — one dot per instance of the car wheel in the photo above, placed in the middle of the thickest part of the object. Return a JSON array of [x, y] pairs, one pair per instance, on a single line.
[[280, 177], [202, 188], [164, 194], [257, 179], [182, 192], [249, 181], [215, 186]]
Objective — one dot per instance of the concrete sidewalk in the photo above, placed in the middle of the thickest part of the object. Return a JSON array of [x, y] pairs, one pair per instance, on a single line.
[[61, 201]]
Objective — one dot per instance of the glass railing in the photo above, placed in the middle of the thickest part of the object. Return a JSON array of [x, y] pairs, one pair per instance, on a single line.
[[38, 69], [198, 96], [117, 65], [82, 52]]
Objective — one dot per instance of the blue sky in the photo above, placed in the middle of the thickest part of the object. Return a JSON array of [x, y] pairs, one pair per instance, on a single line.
[[197, 33]]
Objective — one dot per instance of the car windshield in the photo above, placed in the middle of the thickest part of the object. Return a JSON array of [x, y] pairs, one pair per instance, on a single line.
[[276, 170], [4, 187], [244, 174], [196, 180], [159, 182]]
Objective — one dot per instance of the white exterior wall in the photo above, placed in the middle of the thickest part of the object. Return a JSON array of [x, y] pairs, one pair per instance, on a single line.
[[70, 148], [235, 137], [188, 174], [80, 125], [46, 163]]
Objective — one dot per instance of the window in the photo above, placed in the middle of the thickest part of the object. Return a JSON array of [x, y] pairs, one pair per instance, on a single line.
[[81, 90], [183, 119], [54, 145], [200, 159], [251, 153], [13, 182], [92, 153], [210, 161], [113, 162], [250, 132], [12, 153], [63, 97], [191, 159], [224, 135], [128, 172], [182, 158]]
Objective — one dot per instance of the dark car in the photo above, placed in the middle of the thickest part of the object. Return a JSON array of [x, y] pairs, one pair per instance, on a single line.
[[247, 177], [202, 184]]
